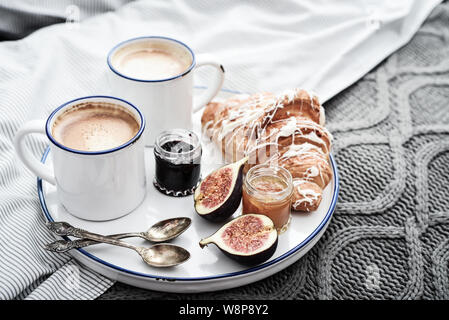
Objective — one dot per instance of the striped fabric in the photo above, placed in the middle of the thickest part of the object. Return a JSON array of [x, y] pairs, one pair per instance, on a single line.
[[70, 282], [27, 271], [20, 18]]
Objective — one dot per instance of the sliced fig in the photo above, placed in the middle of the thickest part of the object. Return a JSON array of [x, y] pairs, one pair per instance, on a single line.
[[249, 239], [218, 195]]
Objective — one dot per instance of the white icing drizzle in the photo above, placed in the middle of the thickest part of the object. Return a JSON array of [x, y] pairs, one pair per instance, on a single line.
[[307, 195], [289, 128], [301, 149]]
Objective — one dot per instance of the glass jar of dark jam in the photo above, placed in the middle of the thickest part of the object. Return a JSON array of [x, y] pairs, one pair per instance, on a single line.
[[178, 162]]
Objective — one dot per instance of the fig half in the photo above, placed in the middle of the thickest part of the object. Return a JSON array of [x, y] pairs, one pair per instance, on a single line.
[[249, 239], [218, 195]]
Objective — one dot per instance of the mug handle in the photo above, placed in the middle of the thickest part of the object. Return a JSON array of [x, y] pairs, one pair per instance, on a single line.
[[37, 167], [211, 91]]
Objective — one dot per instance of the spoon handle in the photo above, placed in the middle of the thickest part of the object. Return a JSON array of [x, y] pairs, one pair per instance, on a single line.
[[65, 229], [66, 245]]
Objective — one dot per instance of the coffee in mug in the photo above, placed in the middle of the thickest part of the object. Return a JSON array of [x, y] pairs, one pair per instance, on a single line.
[[151, 60], [94, 126], [97, 153]]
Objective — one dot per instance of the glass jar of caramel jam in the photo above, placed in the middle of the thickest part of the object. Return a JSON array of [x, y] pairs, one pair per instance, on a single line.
[[268, 190]]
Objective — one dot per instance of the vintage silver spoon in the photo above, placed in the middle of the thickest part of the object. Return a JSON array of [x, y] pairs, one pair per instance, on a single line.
[[161, 231], [158, 255]]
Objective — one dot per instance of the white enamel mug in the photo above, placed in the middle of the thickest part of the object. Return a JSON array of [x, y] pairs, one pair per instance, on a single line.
[[94, 185], [166, 103]]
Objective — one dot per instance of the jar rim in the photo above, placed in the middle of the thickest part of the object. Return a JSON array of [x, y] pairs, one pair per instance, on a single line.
[[278, 171], [184, 135]]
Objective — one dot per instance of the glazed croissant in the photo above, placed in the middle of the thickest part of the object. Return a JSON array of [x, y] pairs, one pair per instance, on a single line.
[[285, 129]]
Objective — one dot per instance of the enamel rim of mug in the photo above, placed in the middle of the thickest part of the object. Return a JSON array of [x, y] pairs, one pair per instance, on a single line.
[[323, 224], [123, 43], [129, 142]]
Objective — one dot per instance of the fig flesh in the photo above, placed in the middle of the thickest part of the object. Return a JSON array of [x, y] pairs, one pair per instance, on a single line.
[[249, 239], [219, 194]]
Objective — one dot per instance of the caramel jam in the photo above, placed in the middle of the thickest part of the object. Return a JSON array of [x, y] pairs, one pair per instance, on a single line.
[[268, 191]]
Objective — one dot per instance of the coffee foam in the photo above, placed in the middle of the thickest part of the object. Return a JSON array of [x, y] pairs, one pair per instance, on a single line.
[[94, 126], [152, 59]]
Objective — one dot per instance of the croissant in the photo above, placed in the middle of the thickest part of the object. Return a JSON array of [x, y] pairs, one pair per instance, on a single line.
[[286, 129]]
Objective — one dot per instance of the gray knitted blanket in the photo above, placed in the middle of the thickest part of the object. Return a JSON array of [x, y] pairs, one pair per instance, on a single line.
[[389, 237]]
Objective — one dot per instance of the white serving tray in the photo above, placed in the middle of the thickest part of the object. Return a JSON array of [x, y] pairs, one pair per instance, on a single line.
[[208, 269]]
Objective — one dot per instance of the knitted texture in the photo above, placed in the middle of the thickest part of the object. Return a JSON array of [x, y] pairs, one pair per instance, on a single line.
[[389, 237]]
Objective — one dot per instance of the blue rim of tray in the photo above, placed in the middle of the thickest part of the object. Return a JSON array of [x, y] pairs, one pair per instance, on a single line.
[[287, 254]]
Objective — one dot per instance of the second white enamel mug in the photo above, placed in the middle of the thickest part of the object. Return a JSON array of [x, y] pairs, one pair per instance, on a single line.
[[166, 103]]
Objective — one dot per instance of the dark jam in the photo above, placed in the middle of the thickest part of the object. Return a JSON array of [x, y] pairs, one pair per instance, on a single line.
[[177, 167]]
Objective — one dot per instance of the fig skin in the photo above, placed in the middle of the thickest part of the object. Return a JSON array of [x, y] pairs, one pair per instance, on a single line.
[[231, 204], [244, 259], [251, 260]]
